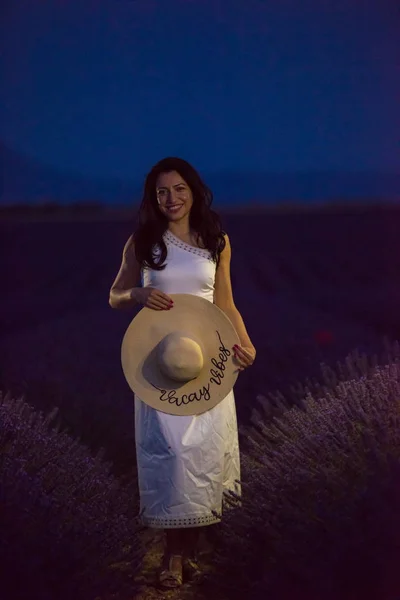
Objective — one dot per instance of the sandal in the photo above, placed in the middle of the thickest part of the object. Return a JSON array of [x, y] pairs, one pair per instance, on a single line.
[[190, 569], [168, 576]]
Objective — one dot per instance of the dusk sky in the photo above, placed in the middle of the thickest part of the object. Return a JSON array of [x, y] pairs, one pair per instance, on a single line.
[[107, 88]]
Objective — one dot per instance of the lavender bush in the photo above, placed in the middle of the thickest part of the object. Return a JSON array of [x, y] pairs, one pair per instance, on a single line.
[[68, 527], [320, 513]]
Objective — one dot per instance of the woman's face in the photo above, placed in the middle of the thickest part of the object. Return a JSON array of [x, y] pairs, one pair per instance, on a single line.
[[174, 196]]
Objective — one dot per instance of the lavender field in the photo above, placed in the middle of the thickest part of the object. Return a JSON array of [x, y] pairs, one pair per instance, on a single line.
[[311, 288]]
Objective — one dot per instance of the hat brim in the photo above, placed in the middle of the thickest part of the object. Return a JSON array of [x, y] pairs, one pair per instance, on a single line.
[[200, 319]]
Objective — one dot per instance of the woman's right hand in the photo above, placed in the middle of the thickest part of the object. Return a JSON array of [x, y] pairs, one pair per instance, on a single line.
[[153, 298]]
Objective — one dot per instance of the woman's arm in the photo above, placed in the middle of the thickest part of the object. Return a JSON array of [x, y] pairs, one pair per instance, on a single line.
[[223, 296], [127, 283]]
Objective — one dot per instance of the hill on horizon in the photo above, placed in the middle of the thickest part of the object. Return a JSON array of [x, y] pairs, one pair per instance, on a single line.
[[26, 180]]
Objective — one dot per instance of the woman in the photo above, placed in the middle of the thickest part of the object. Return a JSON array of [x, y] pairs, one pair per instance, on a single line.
[[179, 247]]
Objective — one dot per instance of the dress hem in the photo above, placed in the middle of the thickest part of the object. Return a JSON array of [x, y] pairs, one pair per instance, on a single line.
[[179, 523]]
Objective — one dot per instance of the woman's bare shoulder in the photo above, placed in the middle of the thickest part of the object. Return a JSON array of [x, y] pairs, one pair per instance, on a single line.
[[227, 245], [129, 248], [129, 272], [130, 242]]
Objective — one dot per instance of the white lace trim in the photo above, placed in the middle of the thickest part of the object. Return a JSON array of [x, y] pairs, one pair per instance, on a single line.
[[170, 238], [172, 523]]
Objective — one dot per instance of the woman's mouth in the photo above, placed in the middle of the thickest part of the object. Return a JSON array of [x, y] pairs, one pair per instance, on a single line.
[[173, 208]]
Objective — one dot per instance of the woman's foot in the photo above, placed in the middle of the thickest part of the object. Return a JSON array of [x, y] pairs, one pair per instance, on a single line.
[[170, 575], [191, 569]]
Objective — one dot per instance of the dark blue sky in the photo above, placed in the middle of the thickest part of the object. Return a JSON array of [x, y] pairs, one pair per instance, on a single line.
[[106, 88]]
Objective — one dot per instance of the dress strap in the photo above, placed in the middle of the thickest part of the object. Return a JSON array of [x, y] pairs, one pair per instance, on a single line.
[[170, 238]]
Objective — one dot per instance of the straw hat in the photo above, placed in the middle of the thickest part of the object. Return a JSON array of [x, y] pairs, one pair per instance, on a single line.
[[180, 361]]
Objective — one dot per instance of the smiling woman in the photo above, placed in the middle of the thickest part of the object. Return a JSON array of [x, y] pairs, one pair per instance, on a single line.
[[176, 199], [179, 248], [173, 195]]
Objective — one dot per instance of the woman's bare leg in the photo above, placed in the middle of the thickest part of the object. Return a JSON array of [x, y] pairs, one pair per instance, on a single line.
[[175, 542], [191, 537], [171, 566], [183, 545]]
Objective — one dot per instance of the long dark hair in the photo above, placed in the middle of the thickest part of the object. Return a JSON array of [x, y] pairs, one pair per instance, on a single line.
[[151, 223]]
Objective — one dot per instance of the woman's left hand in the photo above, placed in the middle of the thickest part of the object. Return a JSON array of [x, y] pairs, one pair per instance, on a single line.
[[244, 356]]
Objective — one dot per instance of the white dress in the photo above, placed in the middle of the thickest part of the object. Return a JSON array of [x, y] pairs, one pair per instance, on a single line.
[[185, 462]]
